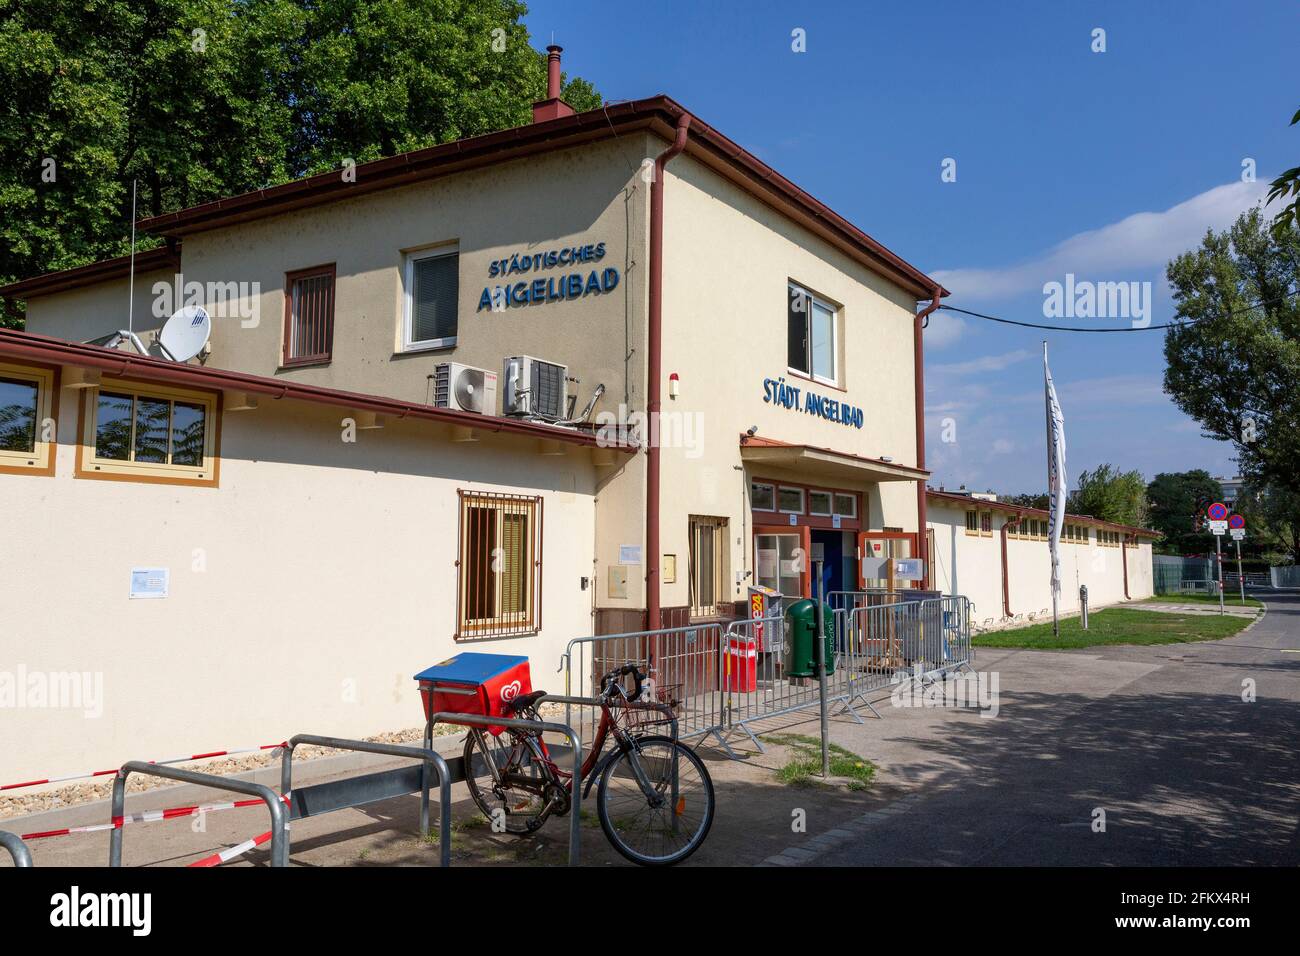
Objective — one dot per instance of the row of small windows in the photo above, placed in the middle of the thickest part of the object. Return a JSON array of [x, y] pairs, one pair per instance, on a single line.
[[791, 500], [1036, 529], [150, 433]]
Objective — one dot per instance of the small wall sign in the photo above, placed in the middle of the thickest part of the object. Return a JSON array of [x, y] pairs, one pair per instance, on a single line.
[[629, 554], [148, 584]]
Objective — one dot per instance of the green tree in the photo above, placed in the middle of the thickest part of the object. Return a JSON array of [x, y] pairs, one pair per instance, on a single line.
[[1233, 353], [1111, 495], [1286, 185], [198, 99], [1272, 519], [1176, 500]]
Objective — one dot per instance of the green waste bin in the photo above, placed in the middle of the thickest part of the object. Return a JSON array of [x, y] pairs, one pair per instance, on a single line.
[[799, 652]]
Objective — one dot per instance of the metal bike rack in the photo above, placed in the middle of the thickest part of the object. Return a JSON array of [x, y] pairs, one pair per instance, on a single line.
[[17, 848], [541, 726], [274, 803], [356, 791]]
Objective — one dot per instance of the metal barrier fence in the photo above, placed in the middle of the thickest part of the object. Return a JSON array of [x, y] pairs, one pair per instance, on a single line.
[[279, 814], [17, 848], [684, 664], [1286, 577], [729, 678]]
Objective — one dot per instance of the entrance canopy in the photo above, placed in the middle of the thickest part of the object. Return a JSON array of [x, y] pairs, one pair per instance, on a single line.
[[823, 463]]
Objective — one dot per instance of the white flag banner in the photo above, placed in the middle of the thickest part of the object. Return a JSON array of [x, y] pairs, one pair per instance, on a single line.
[[1056, 480]]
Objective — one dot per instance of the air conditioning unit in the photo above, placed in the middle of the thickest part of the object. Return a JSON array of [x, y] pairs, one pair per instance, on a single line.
[[464, 388], [535, 388]]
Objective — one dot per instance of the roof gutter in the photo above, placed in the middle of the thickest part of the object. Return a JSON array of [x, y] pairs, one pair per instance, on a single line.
[[918, 378], [654, 372], [51, 351]]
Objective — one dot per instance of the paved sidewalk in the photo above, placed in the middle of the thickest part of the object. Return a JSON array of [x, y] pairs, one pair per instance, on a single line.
[[1193, 609]]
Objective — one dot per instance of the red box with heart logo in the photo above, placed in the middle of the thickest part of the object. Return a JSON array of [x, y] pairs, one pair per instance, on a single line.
[[472, 683]]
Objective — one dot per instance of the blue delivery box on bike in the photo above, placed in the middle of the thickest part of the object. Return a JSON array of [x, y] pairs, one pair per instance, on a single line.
[[473, 683]]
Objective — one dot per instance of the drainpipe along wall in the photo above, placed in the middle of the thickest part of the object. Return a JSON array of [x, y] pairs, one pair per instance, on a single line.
[[1009, 525], [654, 373], [918, 376], [1123, 548]]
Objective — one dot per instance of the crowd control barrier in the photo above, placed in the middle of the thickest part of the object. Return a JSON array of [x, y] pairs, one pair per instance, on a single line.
[[729, 677], [16, 847]]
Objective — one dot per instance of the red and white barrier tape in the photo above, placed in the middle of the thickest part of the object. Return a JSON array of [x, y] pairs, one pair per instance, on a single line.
[[226, 855], [151, 816], [171, 760]]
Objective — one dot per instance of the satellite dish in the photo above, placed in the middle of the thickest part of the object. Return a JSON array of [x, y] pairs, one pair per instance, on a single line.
[[185, 333]]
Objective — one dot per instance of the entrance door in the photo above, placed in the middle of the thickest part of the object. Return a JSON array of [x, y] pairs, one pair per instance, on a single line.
[[878, 545], [780, 562]]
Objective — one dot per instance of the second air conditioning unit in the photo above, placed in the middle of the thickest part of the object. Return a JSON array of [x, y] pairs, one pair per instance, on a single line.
[[535, 388], [464, 388]]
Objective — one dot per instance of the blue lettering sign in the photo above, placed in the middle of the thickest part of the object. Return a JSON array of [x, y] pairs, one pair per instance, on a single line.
[[777, 392]]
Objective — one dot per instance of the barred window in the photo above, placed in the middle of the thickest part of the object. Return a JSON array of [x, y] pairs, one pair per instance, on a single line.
[[986, 522], [972, 522], [309, 316], [499, 570], [709, 556]]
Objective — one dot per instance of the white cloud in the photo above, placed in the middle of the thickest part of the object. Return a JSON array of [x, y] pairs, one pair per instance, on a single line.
[[1142, 241], [986, 363], [942, 329]]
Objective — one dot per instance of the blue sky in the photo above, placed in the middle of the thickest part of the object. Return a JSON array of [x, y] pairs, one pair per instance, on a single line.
[[1104, 165]]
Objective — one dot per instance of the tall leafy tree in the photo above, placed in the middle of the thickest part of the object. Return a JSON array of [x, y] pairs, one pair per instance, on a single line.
[[1107, 493], [1287, 189], [198, 99], [1176, 500], [1272, 519], [1233, 352]]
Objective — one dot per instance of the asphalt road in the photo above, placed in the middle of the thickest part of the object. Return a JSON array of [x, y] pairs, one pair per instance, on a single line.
[[1186, 771]]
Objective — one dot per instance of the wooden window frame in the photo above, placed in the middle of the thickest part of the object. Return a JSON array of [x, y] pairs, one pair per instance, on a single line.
[[290, 280], [501, 624], [88, 465], [722, 588], [40, 460], [409, 260], [983, 532]]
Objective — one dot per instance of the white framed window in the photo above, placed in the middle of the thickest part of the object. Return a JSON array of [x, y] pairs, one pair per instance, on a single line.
[[431, 290], [819, 503], [812, 343], [762, 497], [846, 506], [790, 500]]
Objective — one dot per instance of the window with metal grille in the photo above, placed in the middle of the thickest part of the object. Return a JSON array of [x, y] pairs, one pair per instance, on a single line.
[[972, 522], [499, 570], [309, 316], [709, 558]]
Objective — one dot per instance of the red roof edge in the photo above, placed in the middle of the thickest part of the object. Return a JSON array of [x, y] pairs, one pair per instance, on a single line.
[[978, 503], [41, 348], [102, 271]]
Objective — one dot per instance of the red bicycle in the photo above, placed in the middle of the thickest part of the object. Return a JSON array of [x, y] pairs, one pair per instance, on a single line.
[[655, 797]]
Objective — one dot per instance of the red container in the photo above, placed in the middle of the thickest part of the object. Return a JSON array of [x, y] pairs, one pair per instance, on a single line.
[[741, 665], [474, 684]]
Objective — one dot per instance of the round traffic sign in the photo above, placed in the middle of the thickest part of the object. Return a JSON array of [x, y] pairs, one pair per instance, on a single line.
[[1217, 511], [1236, 521]]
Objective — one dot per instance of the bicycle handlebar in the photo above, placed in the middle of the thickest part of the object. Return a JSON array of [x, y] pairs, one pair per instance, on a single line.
[[608, 682]]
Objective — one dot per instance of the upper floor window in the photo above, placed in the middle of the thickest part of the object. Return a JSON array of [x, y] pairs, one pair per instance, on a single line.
[[152, 433], [26, 406], [432, 290], [309, 316], [812, 344], [762, 497]]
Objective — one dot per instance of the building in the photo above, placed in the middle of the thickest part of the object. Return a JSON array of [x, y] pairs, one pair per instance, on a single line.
[[308, 526], [1231, 490]]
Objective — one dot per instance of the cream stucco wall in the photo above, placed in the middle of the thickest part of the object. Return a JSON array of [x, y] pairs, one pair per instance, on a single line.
[[727, 262], [95, 311], [305, 591], [972, 565]]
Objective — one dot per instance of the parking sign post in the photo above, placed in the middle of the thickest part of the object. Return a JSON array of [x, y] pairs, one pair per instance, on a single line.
[[1218, 515], [1237, 525]]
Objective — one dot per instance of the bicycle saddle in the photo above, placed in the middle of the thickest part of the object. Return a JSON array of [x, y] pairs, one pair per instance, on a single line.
[[524, 702]]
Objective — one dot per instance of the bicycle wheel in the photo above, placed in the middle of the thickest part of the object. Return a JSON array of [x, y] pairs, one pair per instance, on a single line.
[[656, 835], [510, 808]]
